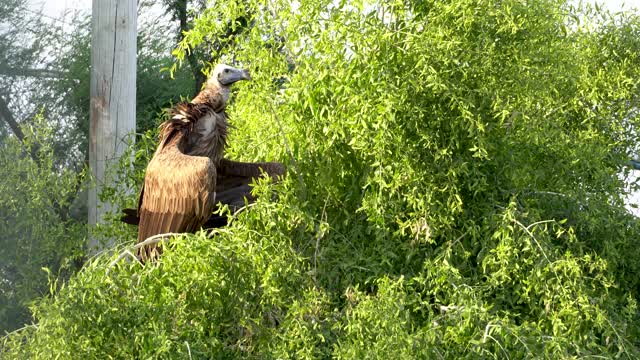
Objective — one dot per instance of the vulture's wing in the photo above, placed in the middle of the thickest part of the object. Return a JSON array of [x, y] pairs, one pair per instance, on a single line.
[[232, 191], [234, 177], [177, 195]]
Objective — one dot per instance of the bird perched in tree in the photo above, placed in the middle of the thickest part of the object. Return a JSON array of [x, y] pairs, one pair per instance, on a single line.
[[178, 193]]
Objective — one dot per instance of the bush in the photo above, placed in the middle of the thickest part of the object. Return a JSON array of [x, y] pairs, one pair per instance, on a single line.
[[453, 192], [41, 239]]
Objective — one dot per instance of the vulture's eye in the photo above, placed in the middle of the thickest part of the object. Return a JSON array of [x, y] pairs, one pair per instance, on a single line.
[[226, 71]]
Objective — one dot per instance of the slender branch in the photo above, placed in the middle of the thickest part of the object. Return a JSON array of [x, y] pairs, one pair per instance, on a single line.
[[122, 254], [63, 207], [188, 349], [540, 222], [37, 73], [61, 210], [149, 241], [488, 336], [246, 207], [551, 193], [238, 211], [526, 229], [320, 235], [155, 239], [289, 152], [445, 309], [7, 116], [7, 335]]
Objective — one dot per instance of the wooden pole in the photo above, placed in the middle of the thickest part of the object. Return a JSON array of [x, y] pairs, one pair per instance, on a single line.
[[113, 96]]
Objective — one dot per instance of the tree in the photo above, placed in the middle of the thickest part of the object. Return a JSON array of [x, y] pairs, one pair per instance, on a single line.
[[21, 52], [113, 85], [38, 225], [30, 70], [36, 235], [179, 11], [44, 127], [203, 53]]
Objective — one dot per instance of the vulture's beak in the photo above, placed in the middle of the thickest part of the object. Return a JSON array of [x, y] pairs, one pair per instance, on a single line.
[[231, 75], [245, 74]]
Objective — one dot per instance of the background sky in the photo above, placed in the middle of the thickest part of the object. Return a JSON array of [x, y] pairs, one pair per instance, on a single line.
[[55, 9]]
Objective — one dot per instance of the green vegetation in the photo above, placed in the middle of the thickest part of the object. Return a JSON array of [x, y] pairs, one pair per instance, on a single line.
[[37, 222], [44, 125], [453, 191]]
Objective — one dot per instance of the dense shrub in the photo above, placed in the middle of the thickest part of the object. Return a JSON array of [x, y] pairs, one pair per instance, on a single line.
[[452, 192], [41, 236]]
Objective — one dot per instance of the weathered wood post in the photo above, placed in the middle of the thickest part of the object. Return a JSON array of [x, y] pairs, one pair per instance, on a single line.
[[113, 95]]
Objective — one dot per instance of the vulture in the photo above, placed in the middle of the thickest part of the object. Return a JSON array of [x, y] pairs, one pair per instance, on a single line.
[[187, 168]]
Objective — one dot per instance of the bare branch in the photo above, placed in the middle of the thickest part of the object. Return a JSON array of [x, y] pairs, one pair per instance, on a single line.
[[7, 116], [36, 73], [150, 240]]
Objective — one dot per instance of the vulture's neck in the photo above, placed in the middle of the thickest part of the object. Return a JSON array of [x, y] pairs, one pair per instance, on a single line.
[[199, 128], [214, 95], [208, 137]]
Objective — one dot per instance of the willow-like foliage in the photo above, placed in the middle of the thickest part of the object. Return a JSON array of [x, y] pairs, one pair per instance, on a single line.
[[453, 191]]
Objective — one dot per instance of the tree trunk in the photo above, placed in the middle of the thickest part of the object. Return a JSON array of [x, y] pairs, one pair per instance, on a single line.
[[7, 116], [196, 69], [113, 96]]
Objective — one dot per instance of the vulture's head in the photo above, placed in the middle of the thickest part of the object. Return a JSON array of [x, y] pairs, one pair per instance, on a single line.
[[225, 75]]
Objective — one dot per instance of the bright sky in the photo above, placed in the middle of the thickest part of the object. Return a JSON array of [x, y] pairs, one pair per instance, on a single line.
[[56, 8], [618, 4]]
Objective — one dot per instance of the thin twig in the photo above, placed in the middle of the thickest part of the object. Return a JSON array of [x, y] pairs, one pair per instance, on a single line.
[[618, 335], [517, 337], [526, 229], [149, 241], [444, 308], [155, 239], [289, 152], [19, 330], [551, 193], [458, 241], [488, 336], [500, 345], [284, 135], [323, 219], [122, 255], [235, 213], [238, 211], [188, 348], [540, 222], [486, 332]]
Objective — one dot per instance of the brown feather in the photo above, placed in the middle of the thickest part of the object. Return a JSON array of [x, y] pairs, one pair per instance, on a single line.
[[175, 198], [232, 188]]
